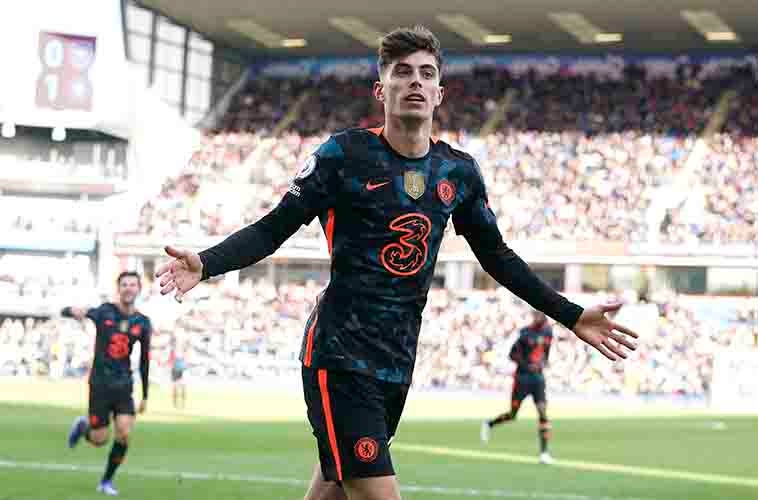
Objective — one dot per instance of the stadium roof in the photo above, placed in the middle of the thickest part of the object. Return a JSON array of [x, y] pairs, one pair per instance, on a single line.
[[532, 25]]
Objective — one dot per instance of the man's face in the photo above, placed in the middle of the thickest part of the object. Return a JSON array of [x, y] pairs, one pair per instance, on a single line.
[[128, 289], [410, 87]]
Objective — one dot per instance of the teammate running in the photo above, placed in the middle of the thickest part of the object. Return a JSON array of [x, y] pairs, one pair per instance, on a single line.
[[119, 326]]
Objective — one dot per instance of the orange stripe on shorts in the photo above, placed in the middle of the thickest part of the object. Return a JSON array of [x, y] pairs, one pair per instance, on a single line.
[[329, 421]]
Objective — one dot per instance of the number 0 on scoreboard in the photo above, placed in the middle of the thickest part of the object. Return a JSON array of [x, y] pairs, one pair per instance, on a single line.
[[63, 83]]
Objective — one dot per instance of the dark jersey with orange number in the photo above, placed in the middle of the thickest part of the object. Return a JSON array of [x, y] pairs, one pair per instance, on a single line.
[[532, 349], [116, 335], [384, 216]]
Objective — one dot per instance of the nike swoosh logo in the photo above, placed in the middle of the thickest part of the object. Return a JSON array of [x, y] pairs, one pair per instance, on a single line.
[[370, 186]]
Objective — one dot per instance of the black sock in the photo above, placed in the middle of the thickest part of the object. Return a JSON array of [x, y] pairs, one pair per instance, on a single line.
[[505, 417], [115, 458], [544, 430]]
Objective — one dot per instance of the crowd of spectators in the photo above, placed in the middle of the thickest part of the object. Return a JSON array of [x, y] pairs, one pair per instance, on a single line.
[[253, 332], [586, 156], [578, 157]]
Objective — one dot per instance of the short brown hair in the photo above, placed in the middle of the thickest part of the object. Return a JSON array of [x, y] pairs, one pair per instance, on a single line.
[[403, 42], [129, 274]]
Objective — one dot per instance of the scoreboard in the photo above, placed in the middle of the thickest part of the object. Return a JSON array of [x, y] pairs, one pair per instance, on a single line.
[[64, 81], [64, 64]]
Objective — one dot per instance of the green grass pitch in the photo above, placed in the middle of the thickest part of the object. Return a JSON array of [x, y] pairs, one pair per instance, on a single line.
[[693, 457]]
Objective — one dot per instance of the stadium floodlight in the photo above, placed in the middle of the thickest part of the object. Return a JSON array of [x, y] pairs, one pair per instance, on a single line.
[[294, 43], [59, 134], [608, 37], [9, 130], [721, 36], [358, 29], [710, 25], [263, 35], [471, 30], [497, 39], [582, 29]]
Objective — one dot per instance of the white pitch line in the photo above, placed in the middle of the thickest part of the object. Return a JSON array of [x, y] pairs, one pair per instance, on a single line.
[[204, 476], [581, 465]]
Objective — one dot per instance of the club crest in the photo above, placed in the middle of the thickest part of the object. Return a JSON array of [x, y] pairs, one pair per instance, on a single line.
[[414, 184], [366, 449], [446, 191]]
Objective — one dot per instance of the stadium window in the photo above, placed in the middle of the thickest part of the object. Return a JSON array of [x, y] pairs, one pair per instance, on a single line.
[[691, 280], [199, 64], [198, 93], [138, 20], [200, 44], [170, 32], [168, 56], [169, 84], [139, 48], [555, 276], [483, 281], [625, 277]]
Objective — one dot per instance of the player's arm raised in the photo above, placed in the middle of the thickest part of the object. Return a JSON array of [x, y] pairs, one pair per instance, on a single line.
[[79, 313], [311, 192], [477, 223]]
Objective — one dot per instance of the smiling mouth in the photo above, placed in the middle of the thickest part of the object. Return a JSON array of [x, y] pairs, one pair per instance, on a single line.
[[415, 98]]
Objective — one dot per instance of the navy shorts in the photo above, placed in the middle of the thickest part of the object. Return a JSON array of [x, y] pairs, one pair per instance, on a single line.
[[104, 400], [353, 417], [526, 385]]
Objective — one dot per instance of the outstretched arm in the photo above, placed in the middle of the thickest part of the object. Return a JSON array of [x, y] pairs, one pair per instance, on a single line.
[[477, 223], [256, 241], [312, 191], [74, 312], [78, 313], [241, 249]]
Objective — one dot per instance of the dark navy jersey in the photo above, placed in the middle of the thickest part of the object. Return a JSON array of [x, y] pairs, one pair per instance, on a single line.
[[384, 216], [532, 349], [116, 335]]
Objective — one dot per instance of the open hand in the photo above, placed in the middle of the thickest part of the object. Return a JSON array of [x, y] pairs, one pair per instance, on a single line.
[[608, 337], [181, 274]]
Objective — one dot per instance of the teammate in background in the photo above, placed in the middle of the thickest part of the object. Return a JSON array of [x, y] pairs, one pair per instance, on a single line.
[[384, 197], [178, 366], [119, 326], [530, 352]]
